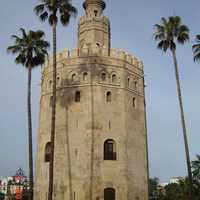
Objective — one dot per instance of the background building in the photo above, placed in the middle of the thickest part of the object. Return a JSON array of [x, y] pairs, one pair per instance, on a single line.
[[14, 186]]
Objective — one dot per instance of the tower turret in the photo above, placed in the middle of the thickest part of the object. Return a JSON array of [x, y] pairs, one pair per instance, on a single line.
[[94, 28], [94, 7]]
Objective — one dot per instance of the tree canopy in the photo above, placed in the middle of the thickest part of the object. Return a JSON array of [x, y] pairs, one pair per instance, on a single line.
[[30, 48], [170, 31]]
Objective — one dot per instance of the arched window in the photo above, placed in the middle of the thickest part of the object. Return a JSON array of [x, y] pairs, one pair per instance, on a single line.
[[73, 77], [103, 76], [98, 45], [85, 76], [95, 13], [109, 194], [47, 154], [77, 96], [110, 150], [114, 78], [108, 97], [134, 102]]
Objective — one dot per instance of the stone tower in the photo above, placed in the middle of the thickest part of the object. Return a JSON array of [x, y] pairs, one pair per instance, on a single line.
[[100, 144]]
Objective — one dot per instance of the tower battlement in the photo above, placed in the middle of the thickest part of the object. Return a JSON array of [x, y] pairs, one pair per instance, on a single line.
[[96, 51]]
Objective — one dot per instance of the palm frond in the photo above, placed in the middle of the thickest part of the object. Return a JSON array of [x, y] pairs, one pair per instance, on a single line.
[[164, 21], [21, 59], [170, 30], [14, 49], [196, 49], [24, 34], [64, 19], [43, 17], [30, 47], [39, 9], [183, 38], [197, 57], [15, 37], [163, 45], [183, 34], [49, 10], [159, 36], [66, 11], [39, 33], [197, 39]]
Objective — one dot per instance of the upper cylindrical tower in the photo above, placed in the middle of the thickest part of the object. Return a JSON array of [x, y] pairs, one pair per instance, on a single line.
[[94, 28]]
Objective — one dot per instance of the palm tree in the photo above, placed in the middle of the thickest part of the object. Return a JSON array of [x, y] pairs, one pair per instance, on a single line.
[[167, 34], [50, 9], [196, 168], [196, 48], [30, 50]]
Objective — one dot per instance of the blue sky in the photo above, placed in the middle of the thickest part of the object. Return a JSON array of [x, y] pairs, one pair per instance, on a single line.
[[132, 28]]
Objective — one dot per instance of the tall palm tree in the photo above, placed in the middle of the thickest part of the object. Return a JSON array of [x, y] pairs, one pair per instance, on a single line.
[[30, 50], [196, 48], [53, 10], [167, 34], [196, 168]]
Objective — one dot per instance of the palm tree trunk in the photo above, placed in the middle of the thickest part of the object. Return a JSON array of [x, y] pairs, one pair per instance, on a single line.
[[30, 133], [92, 140], [69, 156], [53, 117], [183, 125], [145, 126]]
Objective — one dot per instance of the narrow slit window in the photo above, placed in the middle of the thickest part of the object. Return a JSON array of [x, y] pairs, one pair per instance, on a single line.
[[47, 155], [58, 80], [98, 45], [95, 13], [114, 78], [108, 97], [51, 101], [50, 84], [134, 102], [73, 77], [103, 76], [77, 96], [135, 85], [85, 76], [128, 82], [109, 125]]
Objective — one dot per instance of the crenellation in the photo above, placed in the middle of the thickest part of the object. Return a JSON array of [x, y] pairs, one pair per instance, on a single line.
[[74, 53], [97, 51], [141, 65], [122, 55], [129, 58]]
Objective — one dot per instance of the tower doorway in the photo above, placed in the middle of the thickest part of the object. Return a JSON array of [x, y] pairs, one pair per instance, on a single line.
[[109, 194]]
